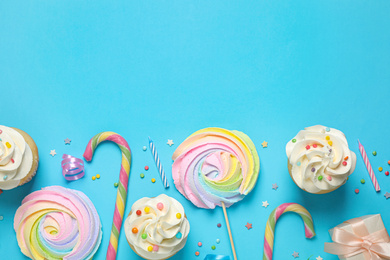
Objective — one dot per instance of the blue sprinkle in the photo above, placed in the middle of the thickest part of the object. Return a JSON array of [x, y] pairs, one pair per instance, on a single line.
[[5, 177], [327, 129], [299, 163], [178, 235]]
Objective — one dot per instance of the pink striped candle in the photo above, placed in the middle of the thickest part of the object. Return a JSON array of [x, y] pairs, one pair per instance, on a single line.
[[368, 166]]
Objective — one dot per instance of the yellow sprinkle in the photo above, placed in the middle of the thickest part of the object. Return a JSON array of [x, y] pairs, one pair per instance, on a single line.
[[150, 248], [380, 169], [98, 176], [330, 143], [8, 145], [327, 137], [178, 215], [147, 209], [93, 178], [153, 180]]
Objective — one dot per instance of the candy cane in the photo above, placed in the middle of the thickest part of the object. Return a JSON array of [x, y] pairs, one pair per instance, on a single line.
[[122, 188], [273, 218]]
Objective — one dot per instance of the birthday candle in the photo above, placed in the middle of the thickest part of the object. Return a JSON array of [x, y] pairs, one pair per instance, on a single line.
[[158, 163], [368, 166]]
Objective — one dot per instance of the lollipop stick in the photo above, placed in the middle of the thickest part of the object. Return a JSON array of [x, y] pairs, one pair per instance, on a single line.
[[229, 231]]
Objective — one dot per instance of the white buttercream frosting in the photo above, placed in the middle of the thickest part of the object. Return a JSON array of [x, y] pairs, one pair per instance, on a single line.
[[320, 159], [16, 158], [165, 229]]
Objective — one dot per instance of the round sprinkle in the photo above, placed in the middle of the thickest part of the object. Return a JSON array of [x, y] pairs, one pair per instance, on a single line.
[[1, 218], [178, 216], [327, 129], [160, 206], [98, 176], [213, 247], [115, 184], [144, 148], [362, 181], [199, 243], [387, 173], [150, 248], [294, 140], [8, 145], [357, 191], [315, 145], [197, 253], [155, 248], [219, 225], [146, 168], [320, 178], [330, 143], [330, 150], [1, 131], [380, 169], [329, 178], [134, 230], [153, 180], [147, 209], [388, 162], [144, 235], [93, 178], [307, 147], [178, 235], [138, 212], [299, 163], [327, 138], [345, 163], [313, 169], [374, 153], [142, 175], [218, 241]]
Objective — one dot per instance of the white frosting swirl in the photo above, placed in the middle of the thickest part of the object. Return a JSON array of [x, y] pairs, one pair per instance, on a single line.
[[160, 228], [16, 158], [320, 159]]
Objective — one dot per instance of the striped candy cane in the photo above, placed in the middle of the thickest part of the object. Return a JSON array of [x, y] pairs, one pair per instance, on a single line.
[[273, 218], [368, 166], [121, 196], [158, 163]]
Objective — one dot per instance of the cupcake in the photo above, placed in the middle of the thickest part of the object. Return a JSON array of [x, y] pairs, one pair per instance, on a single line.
[[157, 228], [18, 158], [319, 160]]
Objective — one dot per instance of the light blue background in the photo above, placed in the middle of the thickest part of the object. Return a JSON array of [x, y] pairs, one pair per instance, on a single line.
[[164, 69]]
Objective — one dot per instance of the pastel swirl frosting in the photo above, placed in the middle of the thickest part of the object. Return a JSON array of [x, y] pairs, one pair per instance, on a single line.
[[320, 159], [157, 227], [57, 223], [215, 165], [16, 158]]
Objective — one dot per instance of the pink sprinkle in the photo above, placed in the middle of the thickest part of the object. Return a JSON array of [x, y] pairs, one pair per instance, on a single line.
[[329, 178], [219, 225], [315, 145], [12, 160], [155, 248], [146, 168], [307, 147], [357, 191], [160, 206], [199, 243], [1, 131], [345, 163]]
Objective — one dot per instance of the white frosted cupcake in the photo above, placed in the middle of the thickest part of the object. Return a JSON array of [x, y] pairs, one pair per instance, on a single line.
[[157, 228], [319, 160], [18, 158]]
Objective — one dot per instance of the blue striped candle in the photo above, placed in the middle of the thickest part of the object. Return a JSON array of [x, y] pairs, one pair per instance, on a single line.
[[158, 163]]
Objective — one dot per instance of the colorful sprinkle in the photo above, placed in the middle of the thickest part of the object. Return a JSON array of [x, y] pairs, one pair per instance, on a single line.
[[134, 230], [346, 158], [330, 150], [1, 131], [345, 163], [8, 145], [217, 241], [362, 181], [138, 212], [327, 138], [150, 248], [388, 162], [329, 178], [219, 225], [160, 206], [213, 247], [146, 168], [178, 235], [93, 178], [199, 243], [115, 184], [178, 216], [155, 248], [327, 129], [307, 147], [147, 209], [153, 180], [357, 191], [387, 173], [12, 160], [5, 177], [380, 169], [320, 178], [144, 148], [142, 175], [315, 145], [313, 169], [197, 253], [294, 140], [330, 143], [374, 153], [299, 163], [98, 176], [144, 235]]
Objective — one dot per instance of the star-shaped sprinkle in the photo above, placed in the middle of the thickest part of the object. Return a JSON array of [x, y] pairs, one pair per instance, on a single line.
[[295, 254], [265, 204], [67, 141], [53, 152], [275, 186], [264, 144], [387, 195], [319, 258], [170, 142], [248, 225]]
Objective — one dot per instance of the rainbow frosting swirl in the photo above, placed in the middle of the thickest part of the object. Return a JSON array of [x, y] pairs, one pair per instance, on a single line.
[[215, 165], [58, 223]]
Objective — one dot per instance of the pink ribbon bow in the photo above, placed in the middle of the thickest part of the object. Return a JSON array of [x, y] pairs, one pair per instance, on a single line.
[[375, 246]]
